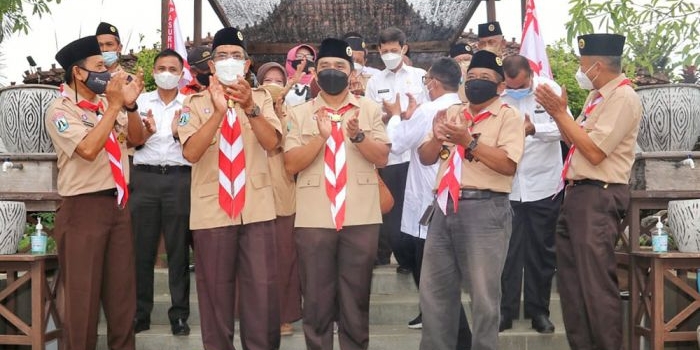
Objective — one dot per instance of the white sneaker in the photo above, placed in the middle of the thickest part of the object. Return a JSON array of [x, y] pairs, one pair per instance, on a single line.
[[416, 323]]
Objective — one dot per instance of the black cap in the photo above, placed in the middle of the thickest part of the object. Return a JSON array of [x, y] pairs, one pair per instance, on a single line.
[[332, 47], [198, 57], [601, 44], [461, 49], [489, 29], [487, 59], [228, 36], [356, 41], [106, 28], [78, 50]]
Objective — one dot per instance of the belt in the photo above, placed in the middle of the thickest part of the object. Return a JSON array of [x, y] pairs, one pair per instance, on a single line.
[[465, 194], [597, 183], [163, 169], [112, 192]]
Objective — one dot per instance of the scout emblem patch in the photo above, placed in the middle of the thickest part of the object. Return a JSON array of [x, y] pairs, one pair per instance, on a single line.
[[121, 137], [184, 117], [61, 123], [335, 117], [444, 152]]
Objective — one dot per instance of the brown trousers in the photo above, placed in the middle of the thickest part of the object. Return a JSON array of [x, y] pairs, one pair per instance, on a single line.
[[586, 276], [243, 255], [287, 270], [96, 255], [336, 276]]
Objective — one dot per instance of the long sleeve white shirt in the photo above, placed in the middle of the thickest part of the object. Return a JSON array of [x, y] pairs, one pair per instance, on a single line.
[[386, 84], [539, 171], [160, 148], [406, 137]]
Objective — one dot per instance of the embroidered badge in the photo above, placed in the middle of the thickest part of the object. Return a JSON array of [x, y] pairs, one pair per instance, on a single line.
[[184, 119], [87, 123], [84, 117], [61, 123], [207, 111]]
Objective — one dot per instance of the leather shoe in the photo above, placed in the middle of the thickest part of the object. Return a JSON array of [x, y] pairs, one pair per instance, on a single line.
[[542, 324], [180, 327], [506, 323], [141, 325]]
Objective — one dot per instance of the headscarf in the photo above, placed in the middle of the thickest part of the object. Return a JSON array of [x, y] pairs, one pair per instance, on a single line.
[[266, 67], [291, 56]]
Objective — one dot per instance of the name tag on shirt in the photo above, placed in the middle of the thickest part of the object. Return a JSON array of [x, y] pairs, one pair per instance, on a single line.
[[383, 91]]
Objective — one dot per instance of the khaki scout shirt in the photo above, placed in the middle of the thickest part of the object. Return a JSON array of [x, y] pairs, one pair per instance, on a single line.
[[67, 125], [613, 126], [504, 130], [362, 200], [282, 182], [259, 204]]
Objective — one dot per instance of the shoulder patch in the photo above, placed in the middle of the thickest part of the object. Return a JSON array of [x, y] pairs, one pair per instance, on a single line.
[[184, 118], [59, 120]]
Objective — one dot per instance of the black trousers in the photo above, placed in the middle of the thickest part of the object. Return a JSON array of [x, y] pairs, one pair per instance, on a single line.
[[531, 248], [414, 253], [160, 203], [390, 236]]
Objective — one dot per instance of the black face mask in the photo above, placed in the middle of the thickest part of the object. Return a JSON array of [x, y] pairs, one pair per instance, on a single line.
[[480, 90], [203, 78], [309, 64], [332, 81], [97, 81]]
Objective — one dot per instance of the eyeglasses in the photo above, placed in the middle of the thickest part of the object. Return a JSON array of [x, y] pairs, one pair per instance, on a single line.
[[225, 55], [482, 76], [426, 78], [308, 57]]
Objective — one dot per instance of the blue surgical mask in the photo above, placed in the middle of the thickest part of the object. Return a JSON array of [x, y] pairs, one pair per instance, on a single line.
[[518, 94], [110, 57]]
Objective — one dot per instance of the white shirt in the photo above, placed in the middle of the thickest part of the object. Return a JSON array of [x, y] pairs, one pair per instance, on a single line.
[[292, 98], [406, 136], [386, 84], [369, 71], [539, 171], [160, 148]]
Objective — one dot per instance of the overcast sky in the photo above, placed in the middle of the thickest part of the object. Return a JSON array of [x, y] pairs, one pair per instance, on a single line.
[[72, 19]]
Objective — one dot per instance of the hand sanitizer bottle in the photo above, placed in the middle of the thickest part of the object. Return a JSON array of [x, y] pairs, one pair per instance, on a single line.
[[659, 238], [39, 239]]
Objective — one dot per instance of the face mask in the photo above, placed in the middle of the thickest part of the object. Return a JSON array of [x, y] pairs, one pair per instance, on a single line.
[[519, 94], [96, 81], [229, 69], [203, 78], [309, 64], [480, 90], [391, 60], [426, 90], [110, 57], [274, 90], [166, 80], [332, 81], [583, 81], [358, 67]]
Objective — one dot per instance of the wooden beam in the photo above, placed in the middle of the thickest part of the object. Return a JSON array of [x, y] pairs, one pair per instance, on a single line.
[[164, 23], [197, 23], [219, 11], [463, 24], [490, 10], [523, 9]]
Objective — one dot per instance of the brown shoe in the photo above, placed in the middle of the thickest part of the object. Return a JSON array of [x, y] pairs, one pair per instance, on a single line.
[[286, 329]]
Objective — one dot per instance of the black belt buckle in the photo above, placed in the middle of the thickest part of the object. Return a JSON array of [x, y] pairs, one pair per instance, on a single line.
[[163, 169]]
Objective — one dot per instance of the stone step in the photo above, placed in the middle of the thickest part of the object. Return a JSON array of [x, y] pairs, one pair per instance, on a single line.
[[382, 337]]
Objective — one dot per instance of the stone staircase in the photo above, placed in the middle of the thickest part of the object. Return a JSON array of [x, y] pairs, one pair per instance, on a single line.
[[394, 301]]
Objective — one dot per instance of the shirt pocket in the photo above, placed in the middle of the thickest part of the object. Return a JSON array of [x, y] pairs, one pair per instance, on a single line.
[[309, 180], [260, 180], [208, 189], [367, 178]]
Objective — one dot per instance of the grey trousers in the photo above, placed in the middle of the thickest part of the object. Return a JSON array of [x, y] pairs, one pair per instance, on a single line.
[[464, 248]]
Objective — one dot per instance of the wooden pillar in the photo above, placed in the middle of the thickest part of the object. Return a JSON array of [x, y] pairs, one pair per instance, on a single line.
[[490, 10], [523, 9], [164, 23], [197, 22]]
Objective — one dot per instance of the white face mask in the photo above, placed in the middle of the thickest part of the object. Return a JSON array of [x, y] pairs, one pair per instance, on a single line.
[[358, 67], [166, 80], [229, 69], [392, 60], [584, 82]]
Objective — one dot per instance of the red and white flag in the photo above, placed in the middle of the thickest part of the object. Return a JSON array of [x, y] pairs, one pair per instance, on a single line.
[[532, 46], [177, 42]]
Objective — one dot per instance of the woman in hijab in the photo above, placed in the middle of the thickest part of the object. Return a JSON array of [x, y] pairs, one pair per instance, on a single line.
[[300, 66]]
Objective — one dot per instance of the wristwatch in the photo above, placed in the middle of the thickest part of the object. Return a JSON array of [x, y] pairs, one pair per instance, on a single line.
[[253, 113], [359, 137], [472, 145], [133, 109]]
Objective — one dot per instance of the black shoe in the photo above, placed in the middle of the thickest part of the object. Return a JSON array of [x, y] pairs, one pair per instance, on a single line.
[[141, 325], [506, 323], [381, 262], [542, 324], [416, 323], [180, 327], [403, 270]]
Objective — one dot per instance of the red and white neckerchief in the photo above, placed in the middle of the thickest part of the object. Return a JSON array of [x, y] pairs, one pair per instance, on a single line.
[[586, 113], [231, 164], [114, 153], [335, 169], [450, 183]]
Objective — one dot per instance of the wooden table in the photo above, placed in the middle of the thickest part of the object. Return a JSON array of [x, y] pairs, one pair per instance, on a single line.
[[37, 273], [648, 272]]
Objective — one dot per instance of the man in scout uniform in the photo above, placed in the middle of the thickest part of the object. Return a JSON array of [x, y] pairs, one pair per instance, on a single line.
[[198, 58], [361, 72], [93, 226], [491, 38], [226, 132], [596, 171], [478, 145], [334, 143], [110, 45], [462, 53]]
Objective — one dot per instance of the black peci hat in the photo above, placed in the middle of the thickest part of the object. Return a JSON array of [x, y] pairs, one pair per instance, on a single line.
[[356, 41], [331, 47], [489, 29], [487, 59], [228, 36], [461, 49], [198, 57], [106, 28], [601, 44], [78, 50]]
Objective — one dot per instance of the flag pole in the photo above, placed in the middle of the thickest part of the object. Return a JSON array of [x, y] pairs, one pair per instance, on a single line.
[[197, 23], [164, 24]]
